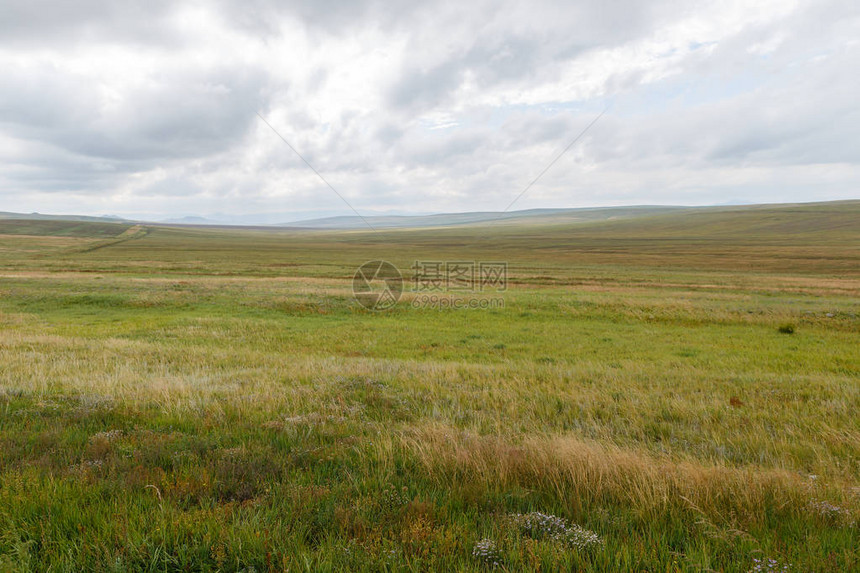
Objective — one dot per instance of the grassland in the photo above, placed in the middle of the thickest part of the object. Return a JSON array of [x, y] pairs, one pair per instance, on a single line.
[[684, 385]]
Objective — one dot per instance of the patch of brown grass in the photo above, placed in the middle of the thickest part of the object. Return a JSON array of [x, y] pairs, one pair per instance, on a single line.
[[582, 471]]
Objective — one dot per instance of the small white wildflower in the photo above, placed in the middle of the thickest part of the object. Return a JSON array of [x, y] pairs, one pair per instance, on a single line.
[[109, 436], [769, 566], [543, 526], [487, 553], [829, 511], [580, 538]]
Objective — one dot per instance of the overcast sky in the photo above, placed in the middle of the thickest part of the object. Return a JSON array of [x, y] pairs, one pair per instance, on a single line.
[[149, 108]]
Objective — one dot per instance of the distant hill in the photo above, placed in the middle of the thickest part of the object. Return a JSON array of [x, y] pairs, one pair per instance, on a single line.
[[5, 215], [191, 220], [778, 220], [62, 228], [481, 217], [798, 223]]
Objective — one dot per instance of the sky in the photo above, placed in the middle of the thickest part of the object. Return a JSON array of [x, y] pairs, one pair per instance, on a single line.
[[152, 109]]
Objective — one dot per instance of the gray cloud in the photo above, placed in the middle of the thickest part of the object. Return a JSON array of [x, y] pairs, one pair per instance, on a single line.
[[37, 23], [437, 106], [180, 114]]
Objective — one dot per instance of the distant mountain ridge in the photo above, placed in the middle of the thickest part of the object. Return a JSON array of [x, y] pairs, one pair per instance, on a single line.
[[347, 222], [479, 217], [191, 220], [82, 218], [445, 220]]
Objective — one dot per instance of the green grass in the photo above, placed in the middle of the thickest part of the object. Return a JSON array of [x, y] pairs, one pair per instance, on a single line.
[[61, 228], [215, 400]]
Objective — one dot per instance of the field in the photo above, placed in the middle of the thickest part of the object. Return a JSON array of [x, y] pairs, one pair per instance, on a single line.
[[680, 391]]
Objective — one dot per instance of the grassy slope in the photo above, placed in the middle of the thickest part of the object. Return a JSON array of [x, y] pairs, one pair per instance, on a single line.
[[814, 239], [53, 228], [216, 399], [458, 219]]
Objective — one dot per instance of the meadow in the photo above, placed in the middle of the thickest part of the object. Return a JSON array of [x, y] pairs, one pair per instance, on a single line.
[[676, 392]]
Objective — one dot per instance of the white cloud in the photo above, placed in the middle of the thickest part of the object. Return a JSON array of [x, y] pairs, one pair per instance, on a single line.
[[150, 108]]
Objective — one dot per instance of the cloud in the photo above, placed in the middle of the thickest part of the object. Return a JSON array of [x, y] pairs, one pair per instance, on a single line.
[[151, 107], [35, 24], [170, 114]]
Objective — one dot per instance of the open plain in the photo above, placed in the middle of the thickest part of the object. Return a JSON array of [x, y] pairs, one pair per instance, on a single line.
[[672, 392]]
